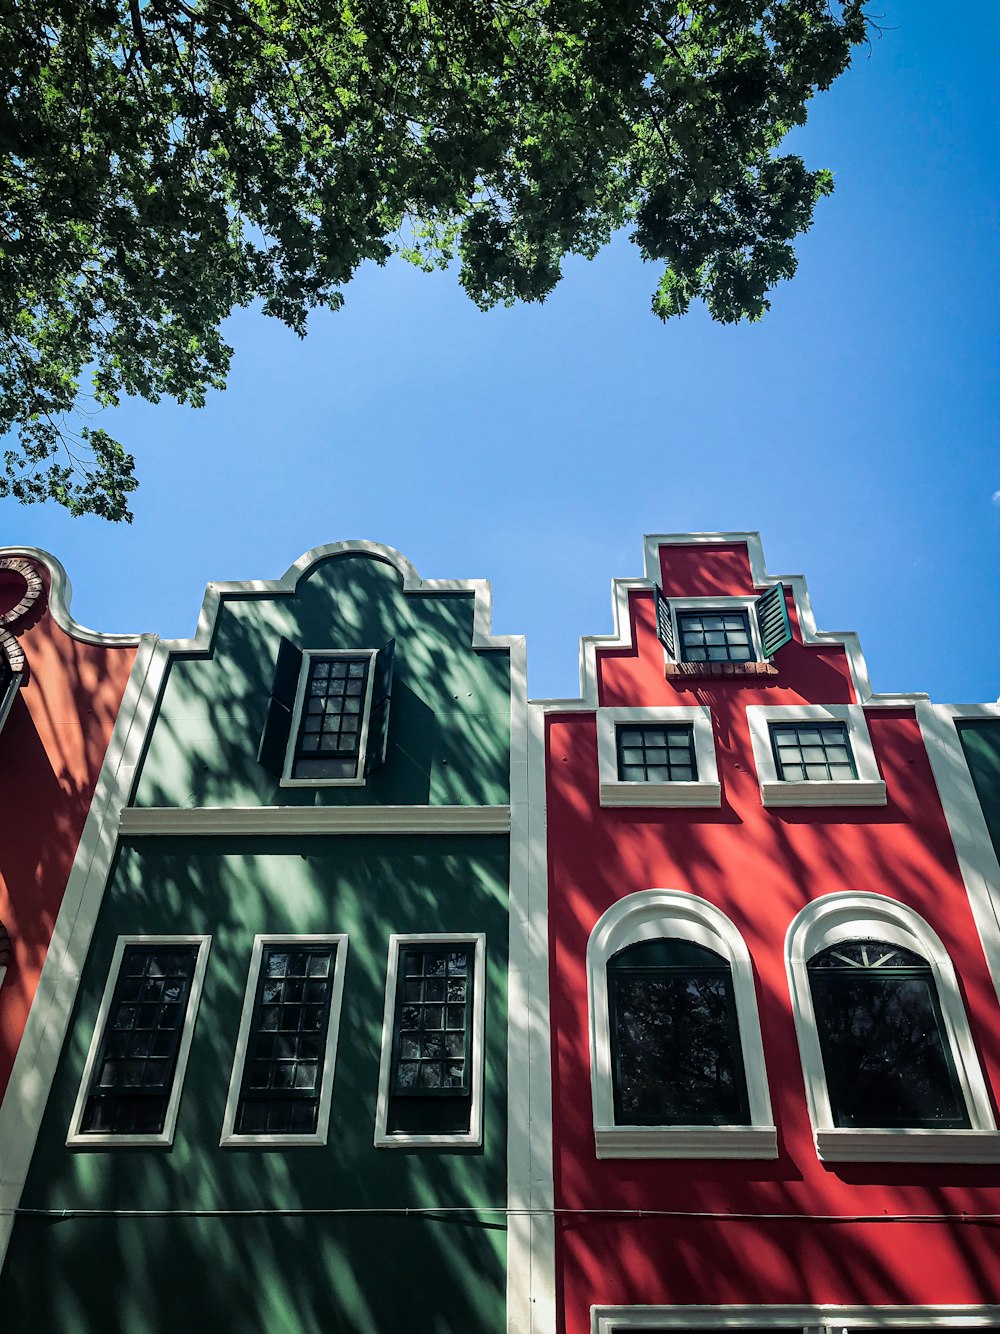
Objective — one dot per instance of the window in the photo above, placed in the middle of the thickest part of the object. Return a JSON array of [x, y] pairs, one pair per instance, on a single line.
[[328, 715], [704, 634], [885, 1056], [715, 636], [132, 1081], [677, 1063], [814, 755], [657, 757], [890, 1068], [812, 751], [674, 1036], [282, 1081], [663, 754], [431, 1071]]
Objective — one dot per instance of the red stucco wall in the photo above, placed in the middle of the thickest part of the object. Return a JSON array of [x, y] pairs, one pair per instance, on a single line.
[[760, 867], [51, 750]]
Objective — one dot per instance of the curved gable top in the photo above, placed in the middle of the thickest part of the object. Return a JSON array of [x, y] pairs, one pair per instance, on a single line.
[[621, 636], [287, 585]]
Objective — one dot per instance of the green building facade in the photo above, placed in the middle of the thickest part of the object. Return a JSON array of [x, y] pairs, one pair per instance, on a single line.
[[281, 1100]]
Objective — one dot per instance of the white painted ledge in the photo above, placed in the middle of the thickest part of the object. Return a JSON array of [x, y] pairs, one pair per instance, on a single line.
[[686, 1141], [279, 820], [849, 792], [620, 793], [908, 1146]]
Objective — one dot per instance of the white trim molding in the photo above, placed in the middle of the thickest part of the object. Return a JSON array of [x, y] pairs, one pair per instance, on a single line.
[[705, 790], [845, 916], [868, 789], [675, 914], [473, 1137], [230, 1137], [825, 1319], [77, 1139], [184, 822]]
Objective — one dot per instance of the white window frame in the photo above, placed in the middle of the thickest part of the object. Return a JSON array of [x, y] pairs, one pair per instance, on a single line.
[[848, 915], [721, 604], [825, 1319], [705, 790], [653, 914], [867, 789], [359, 779], [76, 1139], [230, 1139], [473, 1137]]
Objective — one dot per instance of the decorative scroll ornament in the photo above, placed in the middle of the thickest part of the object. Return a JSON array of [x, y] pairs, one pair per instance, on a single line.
[[22, 614]]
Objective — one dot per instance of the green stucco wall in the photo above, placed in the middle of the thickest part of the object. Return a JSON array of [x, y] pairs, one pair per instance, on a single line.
[[299, 1267], [358, 1273], [981, 743]]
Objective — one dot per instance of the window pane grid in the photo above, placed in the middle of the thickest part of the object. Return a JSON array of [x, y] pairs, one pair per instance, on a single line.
[[328, 743], [433, 1011], [134, 1072], [715, 636], [812, 751], [285, 1052], [658, 754]]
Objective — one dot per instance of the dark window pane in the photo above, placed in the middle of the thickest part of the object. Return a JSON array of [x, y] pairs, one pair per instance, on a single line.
[[675, 1045], [813, 751], [715, 636], [430, 1035], [662, 754], [329, 740], [281, 1085], [130, 1096], [887, 1060]]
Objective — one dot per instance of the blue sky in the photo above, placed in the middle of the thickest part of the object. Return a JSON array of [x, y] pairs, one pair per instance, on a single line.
[[856, 427]]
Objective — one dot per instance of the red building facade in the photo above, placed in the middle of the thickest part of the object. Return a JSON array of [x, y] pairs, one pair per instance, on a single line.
[[737, 843], [61, 688]]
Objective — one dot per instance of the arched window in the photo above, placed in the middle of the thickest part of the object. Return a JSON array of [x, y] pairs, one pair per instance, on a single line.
[[890, 1068], [677, 1064]]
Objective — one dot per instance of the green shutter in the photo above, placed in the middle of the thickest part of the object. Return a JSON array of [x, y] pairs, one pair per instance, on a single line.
[[378, 722], [664, 623], [772, 620], [277, 724]]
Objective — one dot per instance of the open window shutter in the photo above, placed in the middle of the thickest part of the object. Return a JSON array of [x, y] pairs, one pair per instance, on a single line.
[[378, 723], [277, 724], [664, 623], [772, 620]]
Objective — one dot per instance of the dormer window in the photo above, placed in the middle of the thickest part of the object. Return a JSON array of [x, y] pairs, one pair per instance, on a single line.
[[715, 636], [729, 636], [328, 715]]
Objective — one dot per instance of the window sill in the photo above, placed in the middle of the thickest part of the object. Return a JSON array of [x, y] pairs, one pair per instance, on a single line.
[[850, 792], [272, 1141], [162, 1141], [469, 1140], [908, 1146], [686, 1141], [661, 794]]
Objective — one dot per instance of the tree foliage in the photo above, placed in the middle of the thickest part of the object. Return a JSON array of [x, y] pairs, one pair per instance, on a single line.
[[165, 161]]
